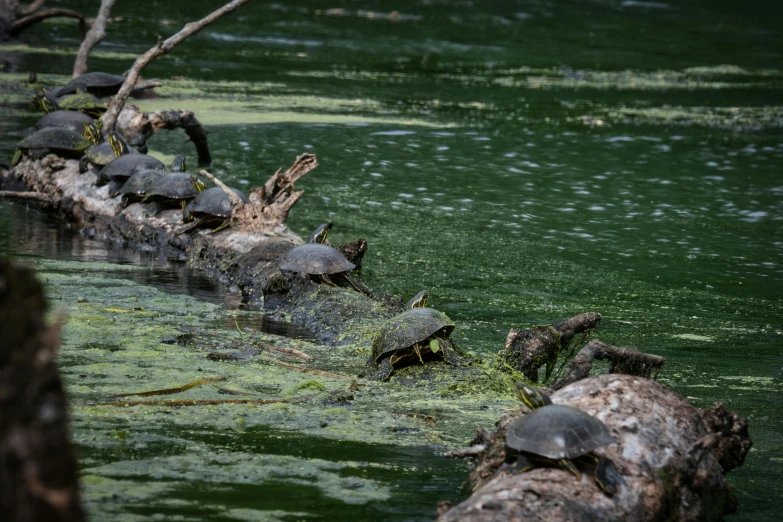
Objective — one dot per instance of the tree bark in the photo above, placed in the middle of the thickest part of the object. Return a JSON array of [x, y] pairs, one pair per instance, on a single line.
[[94, 36], [163, 47]]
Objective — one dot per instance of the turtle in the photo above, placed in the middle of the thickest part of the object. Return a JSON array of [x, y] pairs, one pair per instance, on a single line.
[[52, 140], [210, 206], [419, 300], [416, 335], [175, 188], [321, 261], [98, 83], [557, 435], [103, 153], [123, 167], [73, 120], [137, 186]]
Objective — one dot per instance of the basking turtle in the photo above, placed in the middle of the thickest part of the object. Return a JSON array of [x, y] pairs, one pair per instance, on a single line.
[[321, 261], [555, 435], [103, 153], [211, 206], [100, 84], [123, 167], [73, 120], [173, 189], [52, 140], [137, 186], [416, 335]]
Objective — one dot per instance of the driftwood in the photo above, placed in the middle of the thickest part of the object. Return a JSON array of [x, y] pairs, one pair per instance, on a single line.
[[628, 361], [38, 479], [162, 47], [94, 36], [15, 17], [530, 349], [667, 455], [137, 126]]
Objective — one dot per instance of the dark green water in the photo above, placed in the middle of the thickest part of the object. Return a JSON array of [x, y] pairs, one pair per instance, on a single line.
[[525, 162]]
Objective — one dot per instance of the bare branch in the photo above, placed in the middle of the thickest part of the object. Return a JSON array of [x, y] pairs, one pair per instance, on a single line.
[[26, 21], [94, 36], [162, 47]]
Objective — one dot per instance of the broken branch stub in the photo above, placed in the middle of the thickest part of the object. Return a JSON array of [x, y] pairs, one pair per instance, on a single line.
[[162, 47]]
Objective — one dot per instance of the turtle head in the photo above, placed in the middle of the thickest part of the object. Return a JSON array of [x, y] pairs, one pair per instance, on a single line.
[[178, 165], [532, 397], [118, 145], [419, 300], [197, 183], [91, 133], [320, 233], [46, 103]]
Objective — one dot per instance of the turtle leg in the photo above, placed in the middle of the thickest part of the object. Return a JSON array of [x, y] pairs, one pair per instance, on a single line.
[[226, 223], [357, 285], [567, 465], [326, 279], [605, 474]]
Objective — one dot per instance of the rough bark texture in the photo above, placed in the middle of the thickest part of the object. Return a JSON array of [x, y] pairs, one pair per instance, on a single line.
[[669, 472], [38, 475], [163, 47], [94, 36], [529, 349]]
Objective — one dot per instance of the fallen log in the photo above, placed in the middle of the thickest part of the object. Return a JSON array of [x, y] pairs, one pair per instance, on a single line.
[[669, 454]]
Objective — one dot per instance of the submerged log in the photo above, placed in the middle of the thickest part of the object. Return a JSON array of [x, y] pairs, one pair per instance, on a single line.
[[38, 479], [667, 451]]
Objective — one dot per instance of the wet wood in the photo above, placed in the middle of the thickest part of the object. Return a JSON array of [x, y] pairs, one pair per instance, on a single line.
[[94, 36], [162, 47], [38, 475]]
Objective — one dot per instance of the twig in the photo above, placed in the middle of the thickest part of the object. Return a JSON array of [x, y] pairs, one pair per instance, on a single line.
[[94, 36], [170, 391], [162, 47], [306, 370], [39, 196], [26, 21]]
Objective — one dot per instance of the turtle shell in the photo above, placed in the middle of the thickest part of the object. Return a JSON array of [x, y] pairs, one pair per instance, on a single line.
[[55, 138], [141, 182], [557, 432], [174, 185], [315, 258], [409, 328], [123, 167], [212, 202], [97, 83], [73, 120]]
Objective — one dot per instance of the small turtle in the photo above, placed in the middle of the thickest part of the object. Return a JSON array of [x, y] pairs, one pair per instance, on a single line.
[[52, 140], [103, 153], [137, 186], [416, 335], [320, 261], [173, 189], [556, 435], [123, 167], [100, 84], [73, 120], [419, 300], [210, 206]]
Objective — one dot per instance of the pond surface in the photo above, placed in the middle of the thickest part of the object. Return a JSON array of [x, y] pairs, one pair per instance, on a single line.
[[524, 161]]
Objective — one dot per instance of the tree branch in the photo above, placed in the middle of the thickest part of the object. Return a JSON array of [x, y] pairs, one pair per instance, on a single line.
[[94, 36], [163, 47], [26, 21]]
